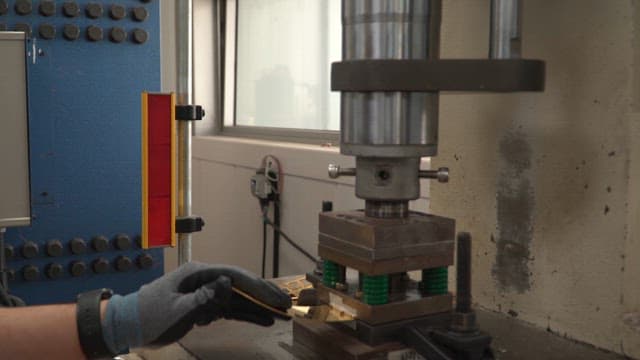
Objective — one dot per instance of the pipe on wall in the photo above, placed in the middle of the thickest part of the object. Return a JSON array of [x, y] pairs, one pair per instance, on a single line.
[[505, 29], [184, 89]]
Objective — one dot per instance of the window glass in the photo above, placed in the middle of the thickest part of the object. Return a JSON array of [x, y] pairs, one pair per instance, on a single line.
[[283, 60]]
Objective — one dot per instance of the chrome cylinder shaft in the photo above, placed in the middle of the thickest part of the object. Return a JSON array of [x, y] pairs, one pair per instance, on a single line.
[[386, 209], [505, 29], [390, 124]]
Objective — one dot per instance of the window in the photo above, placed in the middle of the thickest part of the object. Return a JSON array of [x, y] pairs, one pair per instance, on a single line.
[[277, 68]]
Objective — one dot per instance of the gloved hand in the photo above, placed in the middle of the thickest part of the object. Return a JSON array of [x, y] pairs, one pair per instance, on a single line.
[[164, 311]]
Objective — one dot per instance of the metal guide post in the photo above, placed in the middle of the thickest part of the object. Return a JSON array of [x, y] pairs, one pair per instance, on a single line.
[[505, 39], [184, 87]]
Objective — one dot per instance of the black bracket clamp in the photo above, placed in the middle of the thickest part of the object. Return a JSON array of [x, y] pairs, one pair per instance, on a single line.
[[189, 224], [483, 75], [189, 112], [449, 345]]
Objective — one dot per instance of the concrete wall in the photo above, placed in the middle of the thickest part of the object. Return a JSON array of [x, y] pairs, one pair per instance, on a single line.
[[546, 182]]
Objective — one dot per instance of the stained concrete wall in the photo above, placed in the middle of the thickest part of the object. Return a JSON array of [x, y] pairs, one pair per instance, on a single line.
[[547, 182]]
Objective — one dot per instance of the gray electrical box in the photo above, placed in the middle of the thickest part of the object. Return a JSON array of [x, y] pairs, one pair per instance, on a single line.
[[15, 208]]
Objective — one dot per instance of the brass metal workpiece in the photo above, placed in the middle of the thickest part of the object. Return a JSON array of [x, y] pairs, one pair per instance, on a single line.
[[412, 306], [281, 313]]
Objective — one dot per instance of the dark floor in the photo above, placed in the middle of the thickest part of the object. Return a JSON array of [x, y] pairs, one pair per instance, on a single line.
[[512, 340]]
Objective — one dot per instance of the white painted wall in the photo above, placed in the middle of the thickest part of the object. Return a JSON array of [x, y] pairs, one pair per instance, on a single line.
[[572, 151], [222, 170]]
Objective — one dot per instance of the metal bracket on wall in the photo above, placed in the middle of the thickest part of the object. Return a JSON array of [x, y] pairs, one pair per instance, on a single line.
[[189, 224], [189, 112]]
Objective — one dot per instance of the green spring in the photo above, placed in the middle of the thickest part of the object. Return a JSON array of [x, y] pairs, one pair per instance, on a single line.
[[435, 281], [329, 273], [375, 289]]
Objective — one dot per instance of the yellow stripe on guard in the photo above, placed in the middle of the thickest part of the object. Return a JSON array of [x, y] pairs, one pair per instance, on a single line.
[[173, 168], [145, 170]]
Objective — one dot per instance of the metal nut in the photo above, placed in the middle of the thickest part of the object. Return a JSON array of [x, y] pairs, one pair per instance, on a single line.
[[463, 322]]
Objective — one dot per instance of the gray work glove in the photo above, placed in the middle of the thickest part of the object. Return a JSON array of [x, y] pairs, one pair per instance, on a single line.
[[165, 310]]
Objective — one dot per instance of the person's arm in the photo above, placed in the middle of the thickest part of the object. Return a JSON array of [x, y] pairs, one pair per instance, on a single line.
[[38, 332], [158, 314]]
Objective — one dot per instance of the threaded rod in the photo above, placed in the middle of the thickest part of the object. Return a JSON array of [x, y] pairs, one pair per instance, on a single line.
[[463, 273]]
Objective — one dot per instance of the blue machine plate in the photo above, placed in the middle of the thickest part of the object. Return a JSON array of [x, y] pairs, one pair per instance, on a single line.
[[84, 107]]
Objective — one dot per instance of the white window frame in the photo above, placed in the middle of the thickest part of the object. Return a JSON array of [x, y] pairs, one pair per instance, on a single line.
[[226, 122]]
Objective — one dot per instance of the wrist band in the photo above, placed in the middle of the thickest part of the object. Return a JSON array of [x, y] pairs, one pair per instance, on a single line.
[[89, 325]]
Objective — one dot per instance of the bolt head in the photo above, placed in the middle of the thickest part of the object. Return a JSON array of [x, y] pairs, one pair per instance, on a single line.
[[334, 171], [443, 175], [70, 9]]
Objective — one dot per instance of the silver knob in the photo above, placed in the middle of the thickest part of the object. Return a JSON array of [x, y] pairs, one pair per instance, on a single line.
[[335, 171], [442, 174]]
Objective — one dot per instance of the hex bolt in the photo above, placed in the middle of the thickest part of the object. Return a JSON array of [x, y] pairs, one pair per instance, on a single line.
[[100, 266], [117, 12], [4, 7], [54, 248], [335, 171], [139, 36], [47, 31], [11, 274], [94, 33], [442, 174], [122, 242], [70, 9], [71, 32], [100, 243], [47, 8], [144, 261], [30, 250], [117, 35], [78, 246], [9, 252], [93, 10], [123, 263], [23, 7], [139, 14], [54, 271], [30, 273], [77, 268]]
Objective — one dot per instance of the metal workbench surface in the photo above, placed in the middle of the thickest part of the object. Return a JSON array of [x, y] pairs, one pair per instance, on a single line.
[[513, 340]]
